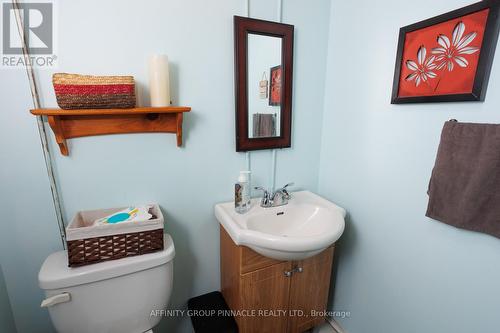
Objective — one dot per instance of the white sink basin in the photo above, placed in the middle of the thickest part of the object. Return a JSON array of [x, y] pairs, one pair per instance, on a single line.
[[304, 227]]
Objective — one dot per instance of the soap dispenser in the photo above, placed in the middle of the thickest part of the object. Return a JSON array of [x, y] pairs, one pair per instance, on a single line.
[[242, 193]]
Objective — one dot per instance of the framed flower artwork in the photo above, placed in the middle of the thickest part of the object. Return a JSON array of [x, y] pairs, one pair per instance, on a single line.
[[275, 90], [447, 58]]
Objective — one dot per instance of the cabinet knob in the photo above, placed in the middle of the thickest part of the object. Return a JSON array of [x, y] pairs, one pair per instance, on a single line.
[[288, 273]]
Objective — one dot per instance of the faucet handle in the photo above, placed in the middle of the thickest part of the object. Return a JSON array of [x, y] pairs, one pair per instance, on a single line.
[[283, 190], [266, 193], [261, 189], [266, 198]]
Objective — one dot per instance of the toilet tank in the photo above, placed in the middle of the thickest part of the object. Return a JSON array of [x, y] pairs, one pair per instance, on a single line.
[[116, 296]]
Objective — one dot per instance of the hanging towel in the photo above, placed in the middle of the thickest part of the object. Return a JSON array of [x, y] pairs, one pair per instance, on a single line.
[[464, 190], [264, 125]]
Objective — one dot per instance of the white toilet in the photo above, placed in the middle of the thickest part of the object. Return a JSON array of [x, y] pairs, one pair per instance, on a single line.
[[113, 296]]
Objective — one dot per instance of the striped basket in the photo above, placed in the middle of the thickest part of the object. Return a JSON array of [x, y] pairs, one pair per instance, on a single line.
[[75, 91], [89, 244]]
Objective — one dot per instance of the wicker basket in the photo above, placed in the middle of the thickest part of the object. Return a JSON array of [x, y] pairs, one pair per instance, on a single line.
[[89, 244], [75, 91]]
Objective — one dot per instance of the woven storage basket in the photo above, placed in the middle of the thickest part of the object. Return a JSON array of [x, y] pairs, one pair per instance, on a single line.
[[74, 91], [89, 244]]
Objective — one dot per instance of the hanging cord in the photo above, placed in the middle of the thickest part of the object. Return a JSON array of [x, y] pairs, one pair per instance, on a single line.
[[41, 128]]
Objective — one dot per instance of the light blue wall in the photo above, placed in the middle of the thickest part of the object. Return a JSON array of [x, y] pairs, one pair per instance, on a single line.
[[28, 228], [7, 324], [104, 37], [398, 271]]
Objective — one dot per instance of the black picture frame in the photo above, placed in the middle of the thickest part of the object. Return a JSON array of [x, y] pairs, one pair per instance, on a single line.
[[485, 57]]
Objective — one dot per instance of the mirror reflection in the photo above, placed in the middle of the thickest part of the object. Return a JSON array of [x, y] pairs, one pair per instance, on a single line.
[[264, 86]]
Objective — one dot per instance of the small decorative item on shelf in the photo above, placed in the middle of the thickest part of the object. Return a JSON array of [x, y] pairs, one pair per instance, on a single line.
[[159, 81], [74, 91]]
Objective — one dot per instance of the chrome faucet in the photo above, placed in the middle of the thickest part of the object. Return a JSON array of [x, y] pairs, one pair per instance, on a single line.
[[277, 198]]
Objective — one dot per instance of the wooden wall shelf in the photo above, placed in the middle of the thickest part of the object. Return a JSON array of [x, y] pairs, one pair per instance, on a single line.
[[68, 124]]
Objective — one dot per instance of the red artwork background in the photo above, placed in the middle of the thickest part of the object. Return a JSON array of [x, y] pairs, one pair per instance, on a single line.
[[275, 89], [441, 80]]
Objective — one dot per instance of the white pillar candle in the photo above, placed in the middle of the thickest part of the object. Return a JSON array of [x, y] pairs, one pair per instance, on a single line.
[[159, 82]]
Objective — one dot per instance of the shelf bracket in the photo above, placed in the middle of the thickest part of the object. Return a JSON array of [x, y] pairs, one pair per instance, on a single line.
[[179, 129], [55, 124]]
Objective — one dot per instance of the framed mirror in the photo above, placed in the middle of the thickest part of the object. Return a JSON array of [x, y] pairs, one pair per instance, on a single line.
[[263, 80]]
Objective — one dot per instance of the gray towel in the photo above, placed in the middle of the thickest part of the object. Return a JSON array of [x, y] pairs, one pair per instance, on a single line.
[[464, 190], [264, 125]]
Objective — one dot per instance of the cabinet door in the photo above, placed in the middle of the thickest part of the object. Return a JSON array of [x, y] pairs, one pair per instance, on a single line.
[[263, 290], [309, 291]]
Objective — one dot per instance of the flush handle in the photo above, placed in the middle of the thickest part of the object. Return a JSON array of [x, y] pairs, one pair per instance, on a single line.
[[56, 299]]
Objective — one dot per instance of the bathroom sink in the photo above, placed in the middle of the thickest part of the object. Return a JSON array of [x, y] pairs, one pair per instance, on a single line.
[[304, 227]]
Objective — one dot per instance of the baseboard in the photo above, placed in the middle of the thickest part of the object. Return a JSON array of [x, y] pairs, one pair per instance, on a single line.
[[335, 325]]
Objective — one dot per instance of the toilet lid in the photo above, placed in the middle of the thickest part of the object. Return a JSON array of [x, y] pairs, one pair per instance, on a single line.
[[56, 274]]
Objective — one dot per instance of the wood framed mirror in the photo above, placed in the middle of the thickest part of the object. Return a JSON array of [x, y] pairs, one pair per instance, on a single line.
[[263, 81]]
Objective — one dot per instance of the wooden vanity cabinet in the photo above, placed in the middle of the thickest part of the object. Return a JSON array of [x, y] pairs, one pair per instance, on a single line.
[[264, 298]]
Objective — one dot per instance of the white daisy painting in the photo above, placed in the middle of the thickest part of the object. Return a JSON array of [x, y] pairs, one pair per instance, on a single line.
[[449, 55]]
